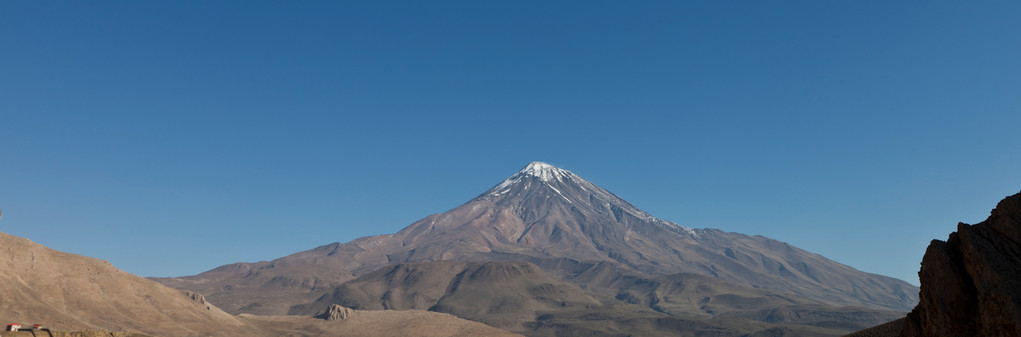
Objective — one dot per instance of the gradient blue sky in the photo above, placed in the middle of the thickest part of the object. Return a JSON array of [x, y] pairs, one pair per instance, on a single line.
[[171, 137]]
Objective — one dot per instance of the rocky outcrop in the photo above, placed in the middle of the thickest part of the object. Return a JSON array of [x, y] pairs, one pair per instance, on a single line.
[[197, 298], [336, 312], [971, 284]]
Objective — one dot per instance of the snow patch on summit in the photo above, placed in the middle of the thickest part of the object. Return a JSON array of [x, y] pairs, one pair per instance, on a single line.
[[538, 169], [543, 171]]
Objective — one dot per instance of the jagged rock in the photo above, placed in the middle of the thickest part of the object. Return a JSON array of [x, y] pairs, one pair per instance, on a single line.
[[198, 298], [335, 312], [971, 284]]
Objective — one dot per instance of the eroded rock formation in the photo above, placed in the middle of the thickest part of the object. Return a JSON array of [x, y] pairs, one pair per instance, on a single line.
[[971, 284], [336, 313]]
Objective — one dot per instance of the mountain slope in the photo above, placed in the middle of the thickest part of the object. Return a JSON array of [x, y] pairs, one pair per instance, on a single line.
[[540, 213], [501, 294], [520, 297], [67, 291]]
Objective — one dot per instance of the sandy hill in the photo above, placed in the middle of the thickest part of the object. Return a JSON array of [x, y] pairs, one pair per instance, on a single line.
[[67, 291], [72, 293]]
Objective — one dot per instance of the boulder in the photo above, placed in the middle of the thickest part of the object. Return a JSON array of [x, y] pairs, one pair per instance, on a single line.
[[336, 312]]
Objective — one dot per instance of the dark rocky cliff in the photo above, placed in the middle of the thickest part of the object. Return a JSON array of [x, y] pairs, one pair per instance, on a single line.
[[971, 284]]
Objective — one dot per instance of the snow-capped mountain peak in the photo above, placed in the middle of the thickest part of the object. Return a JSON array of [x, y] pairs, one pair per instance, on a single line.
[[581, 194], [555, 217], [543, 171]]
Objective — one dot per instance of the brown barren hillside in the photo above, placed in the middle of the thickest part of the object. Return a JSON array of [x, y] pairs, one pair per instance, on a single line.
[[418, 323], [70, 292], [84, 297], [521, 297], [501, 294]]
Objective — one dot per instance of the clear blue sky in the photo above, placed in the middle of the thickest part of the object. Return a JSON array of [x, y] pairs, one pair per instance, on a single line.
[[171, 137]]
